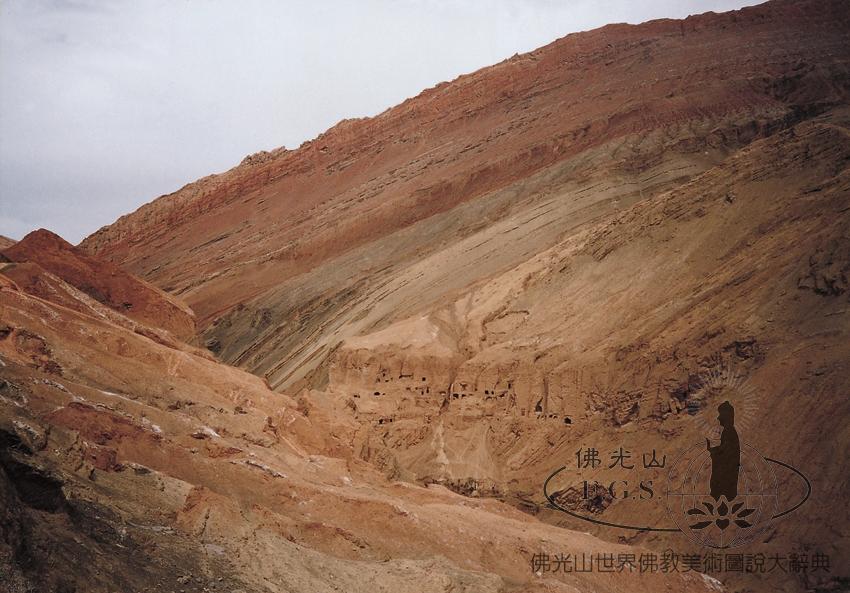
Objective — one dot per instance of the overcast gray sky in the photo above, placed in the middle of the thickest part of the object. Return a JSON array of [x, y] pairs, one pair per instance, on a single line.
[[106, 105]]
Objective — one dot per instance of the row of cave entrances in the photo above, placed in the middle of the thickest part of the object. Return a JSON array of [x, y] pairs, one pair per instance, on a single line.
[[488, 394]]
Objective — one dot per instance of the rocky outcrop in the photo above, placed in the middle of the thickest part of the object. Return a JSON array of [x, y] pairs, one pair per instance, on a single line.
[[593, 243], [616, 100], [145, 468], [102, 281], [631, 330]]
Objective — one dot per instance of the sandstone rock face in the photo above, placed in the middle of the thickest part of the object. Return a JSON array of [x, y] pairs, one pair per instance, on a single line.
[[431, 310], [102, 281], [614, 335], [288, 254], [126, 464]]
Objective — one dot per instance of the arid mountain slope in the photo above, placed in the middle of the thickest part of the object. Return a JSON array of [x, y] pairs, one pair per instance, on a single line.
[[593, 244], [129, 465], [313, 232], [615, 334], [104, 282]]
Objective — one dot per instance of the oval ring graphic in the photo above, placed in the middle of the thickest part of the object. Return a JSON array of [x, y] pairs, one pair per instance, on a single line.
[[555, 505]]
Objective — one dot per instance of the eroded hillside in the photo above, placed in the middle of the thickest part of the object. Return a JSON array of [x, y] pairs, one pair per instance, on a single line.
[[107, 284], [128, 464], [615, 334], [288, 254], [430, 311]]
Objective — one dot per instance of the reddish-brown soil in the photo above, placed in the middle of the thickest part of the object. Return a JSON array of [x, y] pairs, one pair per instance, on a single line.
[[104, 282], [429, 311], [620, 98], [129, 465]]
